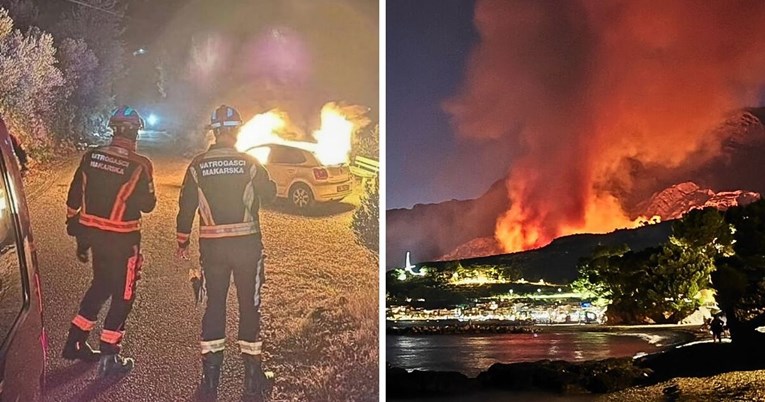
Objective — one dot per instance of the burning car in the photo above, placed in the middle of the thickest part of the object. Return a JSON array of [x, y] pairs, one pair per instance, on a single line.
[[300, 177], [308, 171]]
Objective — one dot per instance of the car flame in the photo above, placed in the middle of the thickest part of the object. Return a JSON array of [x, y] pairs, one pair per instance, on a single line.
[[333, 139]]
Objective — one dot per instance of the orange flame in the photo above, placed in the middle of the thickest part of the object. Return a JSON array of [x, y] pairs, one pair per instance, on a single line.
[[518, 229], [333, 139], [635, 89]]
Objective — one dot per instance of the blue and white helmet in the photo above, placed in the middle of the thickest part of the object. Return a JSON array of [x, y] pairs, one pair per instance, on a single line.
[[126, 116]]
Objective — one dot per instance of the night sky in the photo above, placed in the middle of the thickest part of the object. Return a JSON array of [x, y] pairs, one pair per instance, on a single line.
[[428, 44]]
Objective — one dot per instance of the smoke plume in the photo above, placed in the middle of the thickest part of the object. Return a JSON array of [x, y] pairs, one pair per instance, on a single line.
[[588, 92]]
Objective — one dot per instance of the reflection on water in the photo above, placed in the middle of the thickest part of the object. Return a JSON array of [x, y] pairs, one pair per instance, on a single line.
[[471, 354]]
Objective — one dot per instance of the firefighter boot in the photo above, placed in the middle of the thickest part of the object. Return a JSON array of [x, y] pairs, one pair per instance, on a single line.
[[77, 348], [114, 364], [256, 383], [211, 363]]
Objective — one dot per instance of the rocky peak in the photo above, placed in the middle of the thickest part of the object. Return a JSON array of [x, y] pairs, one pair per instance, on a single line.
[[675, 201]]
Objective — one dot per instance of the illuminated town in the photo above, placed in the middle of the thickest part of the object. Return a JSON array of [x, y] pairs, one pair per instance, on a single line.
[[490, 295]]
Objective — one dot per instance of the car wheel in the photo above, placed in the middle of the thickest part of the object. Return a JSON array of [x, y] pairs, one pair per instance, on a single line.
[[301, 196]]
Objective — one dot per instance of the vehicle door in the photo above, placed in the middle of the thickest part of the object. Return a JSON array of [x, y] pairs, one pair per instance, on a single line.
[[284, 166], [22, 339]]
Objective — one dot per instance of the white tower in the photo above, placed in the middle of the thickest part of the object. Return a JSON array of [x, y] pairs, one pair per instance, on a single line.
[[410, 267]]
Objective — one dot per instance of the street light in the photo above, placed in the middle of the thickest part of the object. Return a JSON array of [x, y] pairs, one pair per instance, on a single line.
[[152, 120]]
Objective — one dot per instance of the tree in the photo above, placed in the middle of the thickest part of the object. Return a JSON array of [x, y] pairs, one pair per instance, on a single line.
[[684, 266], [660, 284], [368, 143], [29, 80], [704, 230], [78, 64], [594, 274], [740, 278], [366, 218], [101, 33]]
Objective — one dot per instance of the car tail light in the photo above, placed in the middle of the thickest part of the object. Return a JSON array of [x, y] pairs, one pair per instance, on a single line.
[[320, 174]]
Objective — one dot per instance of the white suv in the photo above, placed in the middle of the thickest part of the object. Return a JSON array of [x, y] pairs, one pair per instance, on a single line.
[[300, 177]]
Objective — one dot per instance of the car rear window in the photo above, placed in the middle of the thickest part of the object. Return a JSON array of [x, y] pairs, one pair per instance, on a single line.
[[287, 155]]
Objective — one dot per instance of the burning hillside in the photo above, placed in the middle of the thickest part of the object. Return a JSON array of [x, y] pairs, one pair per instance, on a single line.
[[670, 203], [460, 229], [629, 88]]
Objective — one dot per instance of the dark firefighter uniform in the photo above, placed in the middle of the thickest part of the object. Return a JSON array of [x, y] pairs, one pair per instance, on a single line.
[[226, 187], [111, 188]]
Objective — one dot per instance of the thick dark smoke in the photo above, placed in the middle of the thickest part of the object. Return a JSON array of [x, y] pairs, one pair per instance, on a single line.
[[590, 93]]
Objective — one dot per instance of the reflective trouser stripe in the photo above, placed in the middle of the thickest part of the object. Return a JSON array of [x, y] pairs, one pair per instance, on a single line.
[[134, 265], [258, 281], [182, 237], [250, 348], [83, 323], [230, 230], [113, 337], [216, 345]]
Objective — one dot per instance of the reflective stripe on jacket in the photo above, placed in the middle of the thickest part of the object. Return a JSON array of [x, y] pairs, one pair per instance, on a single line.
[[112, 186], [226, 188]]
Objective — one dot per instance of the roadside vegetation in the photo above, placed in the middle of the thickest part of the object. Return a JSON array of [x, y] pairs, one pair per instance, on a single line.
[[57, 73], [366, 218]]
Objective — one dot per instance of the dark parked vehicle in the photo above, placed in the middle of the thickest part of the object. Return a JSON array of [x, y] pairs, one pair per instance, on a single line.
[[22, 336]]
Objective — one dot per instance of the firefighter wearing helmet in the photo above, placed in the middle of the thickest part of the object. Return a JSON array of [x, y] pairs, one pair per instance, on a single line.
[[226, 188], [111, 189]]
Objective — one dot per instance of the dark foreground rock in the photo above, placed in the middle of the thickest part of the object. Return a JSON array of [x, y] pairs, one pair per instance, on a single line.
[[560, 376], [596, 377], [403, 384], [553, 376], [703, 359]]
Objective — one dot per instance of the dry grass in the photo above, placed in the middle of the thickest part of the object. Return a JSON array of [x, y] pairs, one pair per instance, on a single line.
[[733, 386], [320, 310]]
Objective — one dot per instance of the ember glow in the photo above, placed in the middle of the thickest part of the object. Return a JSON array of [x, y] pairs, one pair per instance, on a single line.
[[593, 95], [333, 139]]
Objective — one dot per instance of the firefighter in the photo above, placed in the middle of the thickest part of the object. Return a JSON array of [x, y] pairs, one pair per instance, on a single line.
[[227, 188], [111, 188]]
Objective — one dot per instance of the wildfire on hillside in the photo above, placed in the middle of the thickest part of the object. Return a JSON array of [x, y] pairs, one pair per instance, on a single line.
[[593, 95]]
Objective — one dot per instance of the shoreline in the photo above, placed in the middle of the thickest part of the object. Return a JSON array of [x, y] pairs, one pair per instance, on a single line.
[[566, 380], [691, 332]]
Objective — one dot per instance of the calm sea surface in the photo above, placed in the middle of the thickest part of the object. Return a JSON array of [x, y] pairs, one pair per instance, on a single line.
[[471, 354]]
